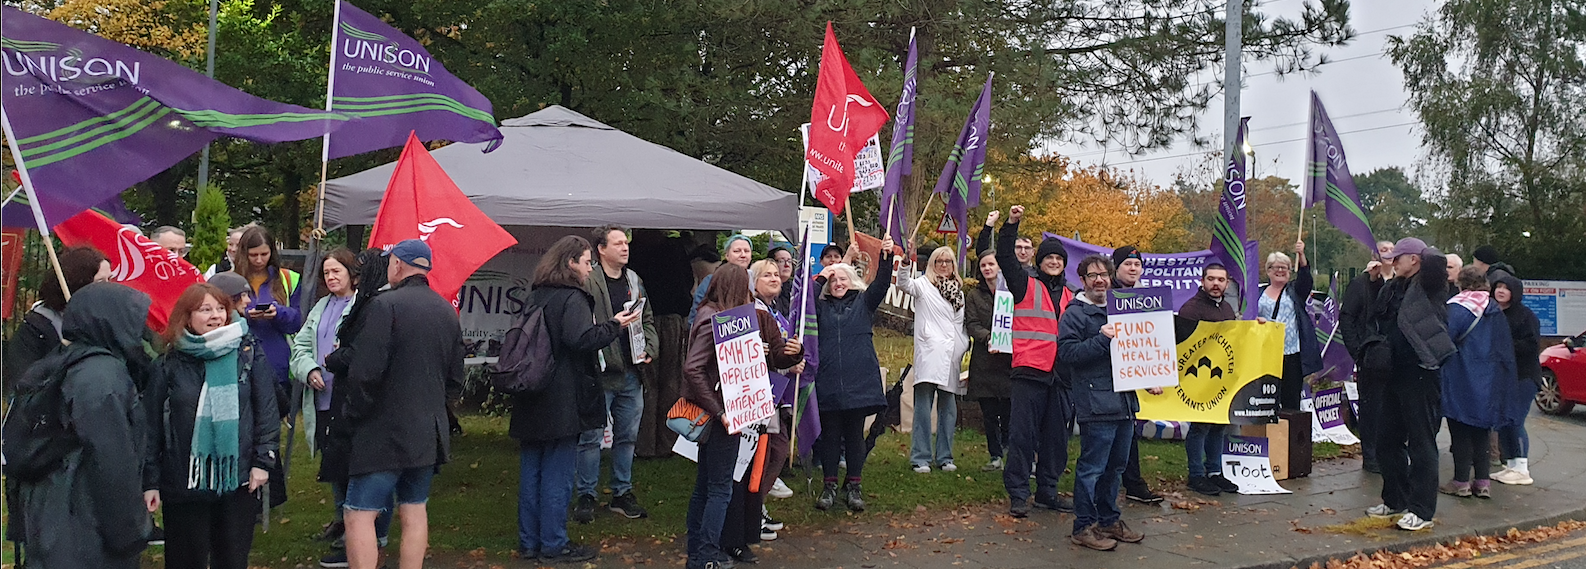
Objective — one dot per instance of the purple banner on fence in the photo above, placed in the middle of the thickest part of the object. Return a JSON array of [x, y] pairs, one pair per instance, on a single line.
[[1178, 271]]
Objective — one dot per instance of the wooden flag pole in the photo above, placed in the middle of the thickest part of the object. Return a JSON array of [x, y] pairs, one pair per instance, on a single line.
[[33, 201], [853, 232], [923, 213]]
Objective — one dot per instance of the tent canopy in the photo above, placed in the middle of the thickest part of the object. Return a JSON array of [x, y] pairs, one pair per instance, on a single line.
[[560, 168]]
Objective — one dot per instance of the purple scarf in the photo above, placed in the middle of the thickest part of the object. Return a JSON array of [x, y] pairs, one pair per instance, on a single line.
[[325, 343]]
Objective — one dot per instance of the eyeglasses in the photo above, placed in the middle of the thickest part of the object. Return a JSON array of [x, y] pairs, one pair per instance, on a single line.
[[943, 261], [1095, 276]]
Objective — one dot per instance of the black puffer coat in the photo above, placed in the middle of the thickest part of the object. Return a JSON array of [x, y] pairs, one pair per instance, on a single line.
[[988, 372]]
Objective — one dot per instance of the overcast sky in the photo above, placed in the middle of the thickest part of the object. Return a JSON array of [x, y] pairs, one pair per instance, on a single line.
[[1362, 90]]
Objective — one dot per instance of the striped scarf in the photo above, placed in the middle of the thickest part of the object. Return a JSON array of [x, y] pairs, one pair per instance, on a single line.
[[216, 445]]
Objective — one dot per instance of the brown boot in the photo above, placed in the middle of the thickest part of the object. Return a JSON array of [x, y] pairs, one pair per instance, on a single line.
[[1121, 532], [1093, 539]]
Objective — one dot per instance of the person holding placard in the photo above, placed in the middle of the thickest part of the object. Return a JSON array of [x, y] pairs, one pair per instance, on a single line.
[[1203, 445], [1105, 416], [703, 385], [939, 345], [848, 381], [988, 370], [1041, 411], [1128, 265]]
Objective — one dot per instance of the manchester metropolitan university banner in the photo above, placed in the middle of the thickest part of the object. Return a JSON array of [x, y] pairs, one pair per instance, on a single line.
[[1228, 373], [1178, 271], [740, 358], [1143, 353]]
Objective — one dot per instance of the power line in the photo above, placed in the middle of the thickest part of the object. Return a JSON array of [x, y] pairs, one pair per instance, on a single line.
[[1264, 128], [1157, 158]]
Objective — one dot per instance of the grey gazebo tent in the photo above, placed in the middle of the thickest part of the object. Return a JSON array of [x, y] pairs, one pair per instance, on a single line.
[[562, 169]]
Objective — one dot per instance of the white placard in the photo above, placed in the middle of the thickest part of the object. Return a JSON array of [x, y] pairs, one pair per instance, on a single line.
[[1245, 463], [740, 361], [1144, 348], [747, 441], [1001, 319]]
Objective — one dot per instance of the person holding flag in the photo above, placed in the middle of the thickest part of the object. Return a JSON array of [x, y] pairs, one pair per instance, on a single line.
[[939, 346], [1283, 299], [1040, 417]]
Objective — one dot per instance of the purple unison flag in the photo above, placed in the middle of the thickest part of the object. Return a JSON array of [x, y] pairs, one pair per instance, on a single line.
[[384, 77], [1228, 232], [967, 163], [900, 162], [1336, 363], [19, 214], [93, 117], [1328, 180], [801, 316]]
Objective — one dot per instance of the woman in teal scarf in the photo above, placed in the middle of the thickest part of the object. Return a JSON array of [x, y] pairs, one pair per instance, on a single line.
[[213, 432]]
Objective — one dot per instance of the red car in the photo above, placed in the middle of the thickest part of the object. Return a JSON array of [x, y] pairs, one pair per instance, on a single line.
[[1563, 376]]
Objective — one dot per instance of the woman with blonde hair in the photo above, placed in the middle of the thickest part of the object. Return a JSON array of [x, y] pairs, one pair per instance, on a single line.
[[1289, 284], [848, 380], [939, 345]]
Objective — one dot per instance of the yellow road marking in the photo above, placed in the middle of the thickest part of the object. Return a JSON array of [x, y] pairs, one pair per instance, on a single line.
[[1502, 557]]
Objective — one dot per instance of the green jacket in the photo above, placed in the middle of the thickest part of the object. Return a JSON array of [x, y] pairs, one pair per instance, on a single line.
[[617, 363]]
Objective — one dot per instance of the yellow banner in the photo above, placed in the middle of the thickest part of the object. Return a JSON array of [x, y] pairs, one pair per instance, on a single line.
[[1228, 373]]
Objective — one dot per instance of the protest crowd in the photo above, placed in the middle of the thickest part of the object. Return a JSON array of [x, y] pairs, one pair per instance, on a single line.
[[181, 400], [195, 431]]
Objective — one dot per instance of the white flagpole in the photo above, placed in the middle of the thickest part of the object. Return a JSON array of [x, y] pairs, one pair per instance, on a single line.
[[33, 200], [324, 149]]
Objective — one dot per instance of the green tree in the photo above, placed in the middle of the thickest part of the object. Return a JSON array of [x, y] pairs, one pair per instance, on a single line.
[[1497, 85], [1395, 206], [211, 221]]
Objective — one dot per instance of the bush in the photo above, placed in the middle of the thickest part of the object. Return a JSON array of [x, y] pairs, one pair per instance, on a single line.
[[211, 222]]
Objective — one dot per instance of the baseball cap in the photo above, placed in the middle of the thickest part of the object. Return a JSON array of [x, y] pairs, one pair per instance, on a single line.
[[230, 283], [413, 252], [1407, 246]]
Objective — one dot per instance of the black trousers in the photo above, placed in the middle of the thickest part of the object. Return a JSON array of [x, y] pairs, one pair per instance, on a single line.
[[994, 421], [1470, 447], [214, 535], [1292, 383], [1370, 388], [1133, 480], [1040, 419], [1407, 443], [842, 436]]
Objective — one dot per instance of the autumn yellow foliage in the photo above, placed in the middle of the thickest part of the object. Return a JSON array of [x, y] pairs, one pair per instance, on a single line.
[[1105, 206], [143, 24]]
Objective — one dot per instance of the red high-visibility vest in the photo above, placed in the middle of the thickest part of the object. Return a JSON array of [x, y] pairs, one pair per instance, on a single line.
[[1035, 326]]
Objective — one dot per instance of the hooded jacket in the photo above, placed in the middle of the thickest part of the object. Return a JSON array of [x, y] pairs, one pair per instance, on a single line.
[[90, 512], [849, 374], [1479, 377], [1526, 332], [1088, 354]]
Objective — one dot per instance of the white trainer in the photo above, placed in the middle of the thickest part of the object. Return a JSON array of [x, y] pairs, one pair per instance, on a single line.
[[780, 490]]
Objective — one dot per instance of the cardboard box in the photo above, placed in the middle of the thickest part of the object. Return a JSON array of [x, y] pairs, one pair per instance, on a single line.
[[1288, 443]]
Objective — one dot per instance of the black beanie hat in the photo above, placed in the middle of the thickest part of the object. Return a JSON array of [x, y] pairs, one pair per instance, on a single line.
[[1486, 254], [1125, 252], [1051, 247]]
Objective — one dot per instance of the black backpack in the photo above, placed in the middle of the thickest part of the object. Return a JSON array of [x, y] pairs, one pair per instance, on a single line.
[[38, 434], [526, 362]]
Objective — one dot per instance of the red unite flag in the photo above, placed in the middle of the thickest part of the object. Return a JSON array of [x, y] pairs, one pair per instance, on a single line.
[[844, 117], [422, 202], [135, 261]]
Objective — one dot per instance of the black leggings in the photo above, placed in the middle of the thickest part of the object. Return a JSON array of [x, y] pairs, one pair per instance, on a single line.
[[994, 421], [843, 434], [1470, 446]]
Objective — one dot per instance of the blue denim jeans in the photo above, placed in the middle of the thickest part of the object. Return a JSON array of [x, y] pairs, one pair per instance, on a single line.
[[1103, 450], [373, 491], [946, 423], [382, 524], [1203, 446], [625, 406], [707, 508], [545, 484], [1513, 442]]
